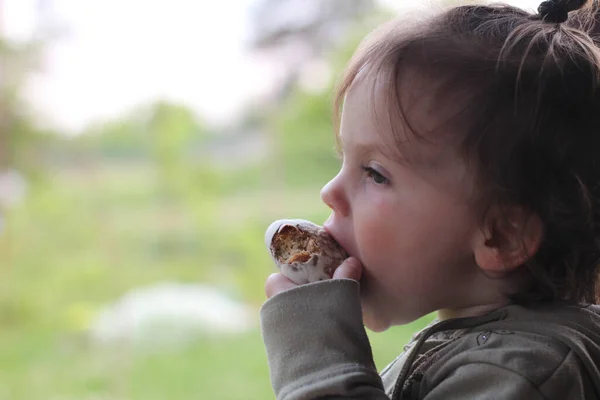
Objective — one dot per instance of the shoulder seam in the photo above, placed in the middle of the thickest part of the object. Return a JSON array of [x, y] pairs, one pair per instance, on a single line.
[[536, 387], [556, 369]]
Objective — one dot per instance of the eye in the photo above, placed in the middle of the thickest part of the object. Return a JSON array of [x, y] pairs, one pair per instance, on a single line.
[[376, 176]]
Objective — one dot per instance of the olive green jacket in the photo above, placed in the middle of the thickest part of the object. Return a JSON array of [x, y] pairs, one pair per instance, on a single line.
[[317, 348]]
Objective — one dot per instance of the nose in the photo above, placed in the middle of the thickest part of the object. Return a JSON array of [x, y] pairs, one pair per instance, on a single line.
[[333, 194]]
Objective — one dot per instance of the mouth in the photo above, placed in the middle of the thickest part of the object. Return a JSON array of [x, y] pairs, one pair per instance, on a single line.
[[327, 229]]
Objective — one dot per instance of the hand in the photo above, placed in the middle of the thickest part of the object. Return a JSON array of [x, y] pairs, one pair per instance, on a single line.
[[351, 268]]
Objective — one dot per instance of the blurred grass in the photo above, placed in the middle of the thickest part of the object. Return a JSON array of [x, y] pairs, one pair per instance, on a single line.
[[85, 237]]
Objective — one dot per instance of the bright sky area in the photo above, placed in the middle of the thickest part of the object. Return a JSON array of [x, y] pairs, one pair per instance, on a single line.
[[115, 54]]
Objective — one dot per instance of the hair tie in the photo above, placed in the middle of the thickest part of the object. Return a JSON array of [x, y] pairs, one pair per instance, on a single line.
[[557, 11]]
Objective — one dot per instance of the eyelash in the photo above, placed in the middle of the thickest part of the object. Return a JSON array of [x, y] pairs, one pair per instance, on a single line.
[[375, 176]]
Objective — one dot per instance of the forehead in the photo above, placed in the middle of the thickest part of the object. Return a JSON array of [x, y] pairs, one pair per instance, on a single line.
[[361, 124], [403, 117]]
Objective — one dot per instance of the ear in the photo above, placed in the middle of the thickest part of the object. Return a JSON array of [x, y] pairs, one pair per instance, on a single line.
[[509, 238]]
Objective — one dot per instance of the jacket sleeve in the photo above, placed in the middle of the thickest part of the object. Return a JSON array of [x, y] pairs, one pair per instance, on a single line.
[[317, 347]]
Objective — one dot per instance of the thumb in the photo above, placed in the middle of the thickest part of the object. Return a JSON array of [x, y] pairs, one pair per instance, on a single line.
[[351, 268], [277, 283]]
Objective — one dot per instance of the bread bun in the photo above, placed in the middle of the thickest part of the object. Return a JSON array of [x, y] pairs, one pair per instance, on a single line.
[[303, 251]]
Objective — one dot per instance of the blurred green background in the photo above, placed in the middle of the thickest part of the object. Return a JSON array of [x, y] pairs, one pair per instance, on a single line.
[[159, 195]]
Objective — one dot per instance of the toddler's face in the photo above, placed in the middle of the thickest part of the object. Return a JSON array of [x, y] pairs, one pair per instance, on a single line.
[[411, 224]]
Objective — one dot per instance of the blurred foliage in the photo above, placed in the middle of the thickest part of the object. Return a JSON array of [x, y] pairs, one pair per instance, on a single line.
[[160, 130], [306, 141]]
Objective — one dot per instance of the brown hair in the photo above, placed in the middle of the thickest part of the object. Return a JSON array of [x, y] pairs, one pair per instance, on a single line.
[[529, 118]]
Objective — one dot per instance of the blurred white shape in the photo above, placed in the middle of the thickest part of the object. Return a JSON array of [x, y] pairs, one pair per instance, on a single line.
[[169, 314], [13, 188]]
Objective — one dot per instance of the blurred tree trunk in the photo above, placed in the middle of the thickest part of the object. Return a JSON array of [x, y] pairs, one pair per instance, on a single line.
[[4, 107], [5, 247]]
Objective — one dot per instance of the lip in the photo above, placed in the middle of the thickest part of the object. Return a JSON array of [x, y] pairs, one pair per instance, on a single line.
[[327, 228]]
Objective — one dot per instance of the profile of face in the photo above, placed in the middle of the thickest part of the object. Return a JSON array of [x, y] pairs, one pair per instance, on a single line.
[[405, 213]]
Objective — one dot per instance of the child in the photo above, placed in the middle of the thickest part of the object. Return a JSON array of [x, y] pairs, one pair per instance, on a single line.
[[470, 186]]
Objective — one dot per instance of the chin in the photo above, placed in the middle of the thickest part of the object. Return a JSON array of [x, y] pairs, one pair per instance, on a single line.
[[380, 322], [373, 323], [377, 328]]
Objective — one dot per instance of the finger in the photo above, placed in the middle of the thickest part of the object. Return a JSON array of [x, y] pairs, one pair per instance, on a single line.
[[351, 268], [277, 283]]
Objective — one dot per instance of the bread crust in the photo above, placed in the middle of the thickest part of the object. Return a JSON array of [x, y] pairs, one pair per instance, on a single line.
[[303, 251]]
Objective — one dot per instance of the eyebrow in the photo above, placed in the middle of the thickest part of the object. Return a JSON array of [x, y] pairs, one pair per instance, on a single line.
[[364, 148]]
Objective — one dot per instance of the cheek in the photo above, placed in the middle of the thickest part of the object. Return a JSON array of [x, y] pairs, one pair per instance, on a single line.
[[376, 228]]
